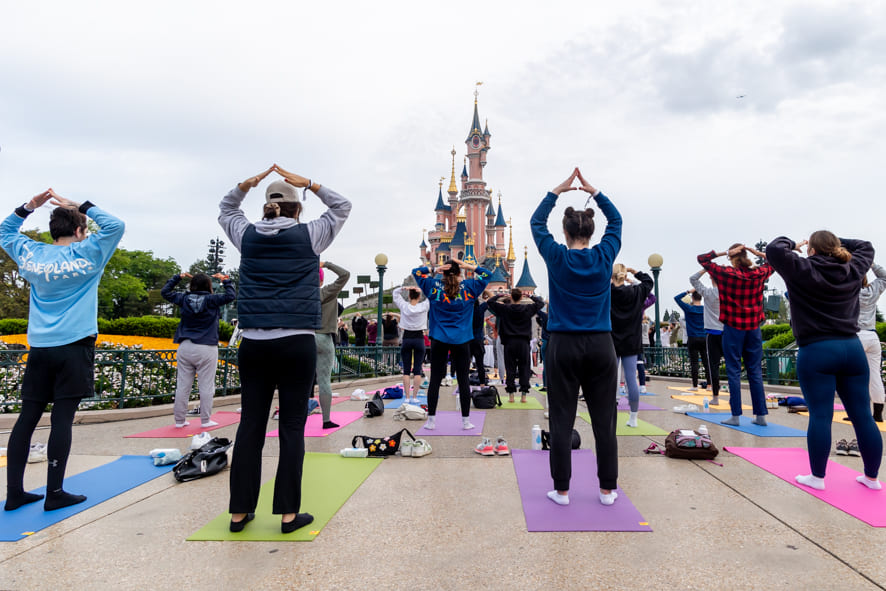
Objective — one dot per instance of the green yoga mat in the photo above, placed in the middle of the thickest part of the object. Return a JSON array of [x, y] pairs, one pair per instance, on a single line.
[[531, 403], [621, 427], [329, 481]]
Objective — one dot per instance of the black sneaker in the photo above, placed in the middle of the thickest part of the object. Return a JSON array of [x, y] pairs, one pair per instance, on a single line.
[[853, 448], [194, 411], [842, 448]]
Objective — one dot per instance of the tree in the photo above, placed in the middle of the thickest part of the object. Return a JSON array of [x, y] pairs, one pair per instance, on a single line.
[[14, 289], [214, 261], [666, 317], [131, 283]]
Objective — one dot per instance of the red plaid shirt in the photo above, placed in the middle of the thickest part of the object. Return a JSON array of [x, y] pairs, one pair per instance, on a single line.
[[741, 291]]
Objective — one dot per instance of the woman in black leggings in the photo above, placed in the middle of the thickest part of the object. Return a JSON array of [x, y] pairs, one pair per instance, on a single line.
[[279, 310]]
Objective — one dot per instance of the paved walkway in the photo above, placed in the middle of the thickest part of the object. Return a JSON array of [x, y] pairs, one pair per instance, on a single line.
[[454, 520]]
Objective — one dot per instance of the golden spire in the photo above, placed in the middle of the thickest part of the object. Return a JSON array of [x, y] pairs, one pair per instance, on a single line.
[[470, 240], [511, 256], [452, 188], [525, 252]]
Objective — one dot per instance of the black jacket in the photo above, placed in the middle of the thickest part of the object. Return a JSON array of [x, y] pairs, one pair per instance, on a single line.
[[517, 318], [626, 314]]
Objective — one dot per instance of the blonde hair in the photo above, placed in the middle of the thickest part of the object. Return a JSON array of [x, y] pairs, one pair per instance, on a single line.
[[619, 274]]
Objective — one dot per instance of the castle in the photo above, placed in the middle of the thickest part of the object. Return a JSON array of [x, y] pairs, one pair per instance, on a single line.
[[468, 227]]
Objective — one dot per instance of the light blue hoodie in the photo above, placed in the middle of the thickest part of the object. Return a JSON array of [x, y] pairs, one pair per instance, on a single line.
[[64, 279]]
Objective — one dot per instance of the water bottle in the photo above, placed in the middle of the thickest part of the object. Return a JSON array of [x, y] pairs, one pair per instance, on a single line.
[[536, 437], [707, 404], [163, 457], [703, 430], [355, 452]]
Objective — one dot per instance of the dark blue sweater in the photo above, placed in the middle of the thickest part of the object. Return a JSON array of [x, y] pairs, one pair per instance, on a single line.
[[199, 311], [451, 320], [694, 316], [578, 279]]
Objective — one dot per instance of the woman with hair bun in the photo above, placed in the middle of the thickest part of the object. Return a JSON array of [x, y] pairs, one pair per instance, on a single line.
[[580, 353], [626, 313], [824, 288], [279, 310], [741, 312], [450, 324]]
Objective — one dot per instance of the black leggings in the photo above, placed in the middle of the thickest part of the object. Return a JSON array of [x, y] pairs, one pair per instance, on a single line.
[[698, 350], [461, 361], [715, 354], [286, 364], [517, 359], [57, 450], [478, 351]]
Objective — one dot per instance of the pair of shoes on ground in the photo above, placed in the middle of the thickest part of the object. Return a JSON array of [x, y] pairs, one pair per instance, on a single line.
[[486, 448], [850, 448], [194, 412], [37, 453], [205, 425], [287, 527], [415, 449]]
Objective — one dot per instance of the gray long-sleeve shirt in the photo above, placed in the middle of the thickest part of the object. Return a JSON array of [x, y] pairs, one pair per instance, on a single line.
[[867, 299], [329, 298], [711, 298]]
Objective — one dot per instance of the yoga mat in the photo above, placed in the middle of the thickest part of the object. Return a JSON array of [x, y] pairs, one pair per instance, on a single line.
[[98, 484], [838, 418], [841, 489], [2, 461], [449, 423], [531, 403], [625, 406], [314, 425], [747, 425], [222, 418], [584, 511], [699, 402], [621, 427], [328, 481], [398, 402]]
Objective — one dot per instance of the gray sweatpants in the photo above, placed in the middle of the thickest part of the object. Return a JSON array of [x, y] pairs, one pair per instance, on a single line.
[[325, 360], [202, 360]]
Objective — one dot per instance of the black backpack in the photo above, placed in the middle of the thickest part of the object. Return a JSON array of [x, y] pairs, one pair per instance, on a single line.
[[486, 397], [546, 440], [206, 461], [375, 407]]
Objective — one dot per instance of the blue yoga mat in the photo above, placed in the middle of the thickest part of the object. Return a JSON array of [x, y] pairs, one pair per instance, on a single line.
[[98, 484], [747, 425]]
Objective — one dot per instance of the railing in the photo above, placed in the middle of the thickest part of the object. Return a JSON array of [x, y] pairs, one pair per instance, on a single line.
[[779, 365], [126, 378]]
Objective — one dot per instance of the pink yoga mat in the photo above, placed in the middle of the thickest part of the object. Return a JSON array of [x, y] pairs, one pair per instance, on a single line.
[[222, 418], [449, 423], [624, 405], [314, 425], [584, 512], [841, 489]]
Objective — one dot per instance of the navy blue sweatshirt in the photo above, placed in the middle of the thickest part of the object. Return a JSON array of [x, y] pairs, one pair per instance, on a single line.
[[824, 291], [694, 316], [199, 311]]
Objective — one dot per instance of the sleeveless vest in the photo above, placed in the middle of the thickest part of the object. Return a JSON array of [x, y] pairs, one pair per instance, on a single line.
[[279, 280]]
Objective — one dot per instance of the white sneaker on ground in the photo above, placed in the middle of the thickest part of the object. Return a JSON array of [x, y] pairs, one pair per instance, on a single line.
[[181, 425], [209, 423]]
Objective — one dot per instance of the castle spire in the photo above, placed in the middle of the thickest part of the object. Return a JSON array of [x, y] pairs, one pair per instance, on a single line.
[[511, 256], [526, 280], [452, 188]]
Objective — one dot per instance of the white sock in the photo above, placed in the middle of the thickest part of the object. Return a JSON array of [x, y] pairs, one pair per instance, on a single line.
[[872, 484], [608, 499], [811, 481], [632, 420], [558, 498], [431, 424], [466, 423]]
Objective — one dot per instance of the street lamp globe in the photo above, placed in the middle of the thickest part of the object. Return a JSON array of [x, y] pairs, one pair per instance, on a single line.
[[381, 259], [655, 260]]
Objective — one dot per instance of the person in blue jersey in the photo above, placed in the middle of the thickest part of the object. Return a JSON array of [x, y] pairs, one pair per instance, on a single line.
[[580, 353], [197, 339], [279, 311], [62, 327], [695, 333], [450, 326]]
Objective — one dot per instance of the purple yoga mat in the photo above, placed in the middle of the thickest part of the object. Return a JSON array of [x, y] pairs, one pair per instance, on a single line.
[[623, 405], [584, 511], [449, 423]]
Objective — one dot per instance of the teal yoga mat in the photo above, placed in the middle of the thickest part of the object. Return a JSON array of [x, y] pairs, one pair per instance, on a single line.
[[98, 484]]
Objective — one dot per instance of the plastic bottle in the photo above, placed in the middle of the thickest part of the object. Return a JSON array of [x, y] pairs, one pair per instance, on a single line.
[[703, 430], [163, 457], [536, 437], [354, 452], [707, 404]]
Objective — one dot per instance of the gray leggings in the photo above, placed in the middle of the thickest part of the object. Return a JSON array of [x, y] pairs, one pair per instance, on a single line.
[[325, 359], [202, 360]]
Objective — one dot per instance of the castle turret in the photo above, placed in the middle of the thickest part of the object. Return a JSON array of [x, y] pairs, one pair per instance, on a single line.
[[526, 283]]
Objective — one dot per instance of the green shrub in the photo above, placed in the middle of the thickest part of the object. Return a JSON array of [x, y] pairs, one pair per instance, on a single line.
[[770, 330], [141, 326], [225, 330], [881, 331], [780, 341], [13, 326]]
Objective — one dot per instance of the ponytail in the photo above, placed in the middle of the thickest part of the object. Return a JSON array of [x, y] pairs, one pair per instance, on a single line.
[[827, 243]]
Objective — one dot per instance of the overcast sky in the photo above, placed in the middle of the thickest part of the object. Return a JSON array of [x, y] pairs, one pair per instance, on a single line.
[[706, 123]]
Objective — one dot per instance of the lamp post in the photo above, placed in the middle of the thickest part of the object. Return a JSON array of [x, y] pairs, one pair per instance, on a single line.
[[381, 260], [655, 261]]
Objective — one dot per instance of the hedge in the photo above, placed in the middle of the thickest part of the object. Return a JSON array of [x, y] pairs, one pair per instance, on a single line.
[[139, 326], [770, 330], [780, 341]]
